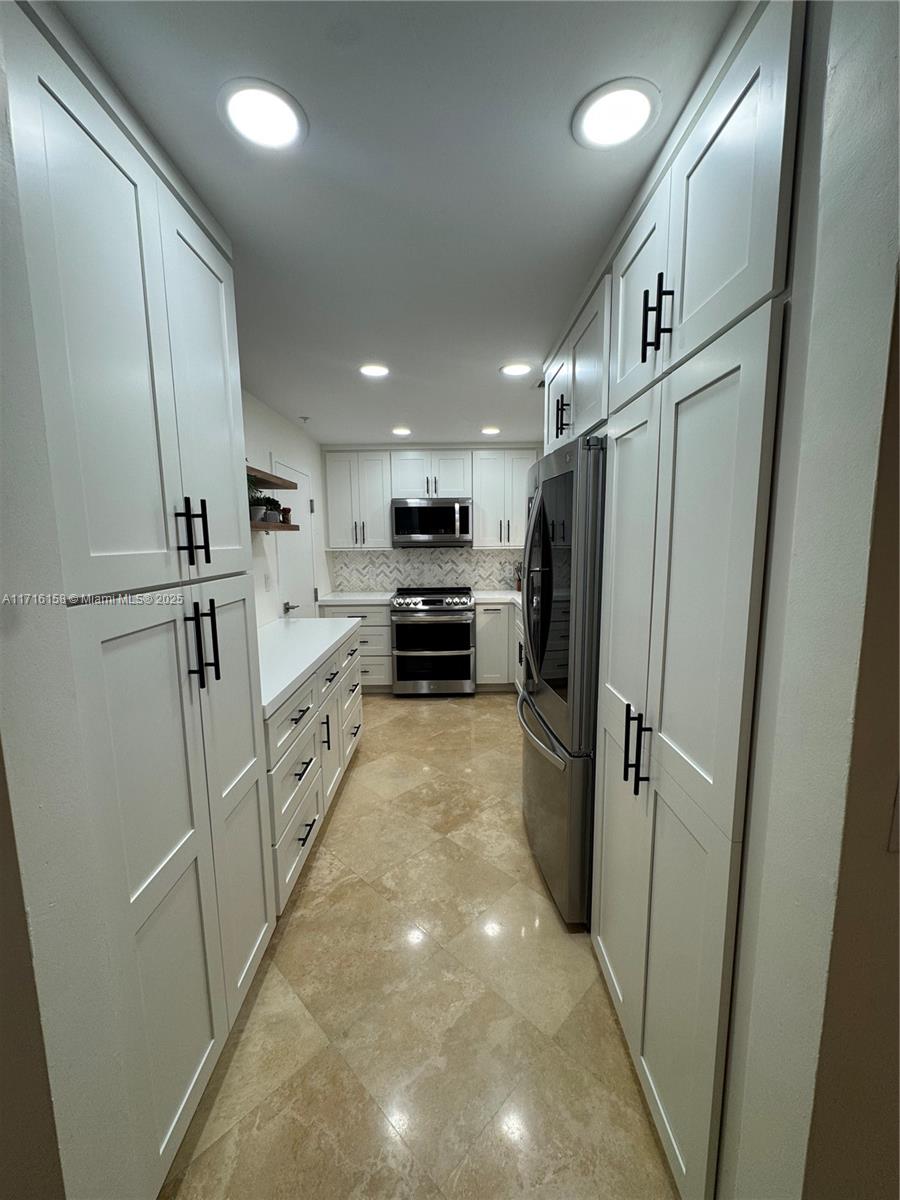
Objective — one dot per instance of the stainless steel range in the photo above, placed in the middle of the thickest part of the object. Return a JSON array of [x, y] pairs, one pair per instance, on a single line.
[[433, 641]]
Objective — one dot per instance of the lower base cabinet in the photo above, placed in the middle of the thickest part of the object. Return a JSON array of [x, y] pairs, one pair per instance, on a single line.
[[492, 643], [332, 751], [350, 734], [295, 844]]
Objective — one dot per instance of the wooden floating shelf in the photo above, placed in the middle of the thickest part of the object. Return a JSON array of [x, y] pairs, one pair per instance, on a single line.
[[274, 481], [273, 527]]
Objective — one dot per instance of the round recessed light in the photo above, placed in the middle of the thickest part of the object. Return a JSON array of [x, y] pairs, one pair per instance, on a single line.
[[616, 112], [401, 431], [374, 370], [262, 113], [490, 431], [514, 370]]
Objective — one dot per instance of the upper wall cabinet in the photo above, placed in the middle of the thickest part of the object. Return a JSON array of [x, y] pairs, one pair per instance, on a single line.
[[418, 473], [577, 388], [358, 488], [124, 441], [500, 497]]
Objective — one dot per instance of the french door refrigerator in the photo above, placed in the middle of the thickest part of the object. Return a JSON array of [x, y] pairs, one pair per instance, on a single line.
[[557, 707]]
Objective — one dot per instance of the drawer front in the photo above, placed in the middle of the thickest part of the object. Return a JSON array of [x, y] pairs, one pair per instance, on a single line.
[[369, 614], [328, 675], [351, 683], [296, 842], [374, 672], [350, 652], [374, 641], [352, 732], [292, 779], [294, 717]]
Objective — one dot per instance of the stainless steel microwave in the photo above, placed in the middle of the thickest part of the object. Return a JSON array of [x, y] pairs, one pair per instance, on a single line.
[[431, 521]]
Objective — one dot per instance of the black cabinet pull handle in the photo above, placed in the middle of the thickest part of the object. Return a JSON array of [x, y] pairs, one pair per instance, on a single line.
[[507, 530], [304, 838], [363, 533], [214, 630], [298, 775], [645, 321], [521, 659], [355, 650], [501, 530], [327, 724], [204, 525], [661, 293], [563, 423], [435, 485], [355, 533], [427, 486], [354, 732], [332, 677], [189, 523], [200, 669], [300, 715], [626, 767], [635, 766], [353, 689]]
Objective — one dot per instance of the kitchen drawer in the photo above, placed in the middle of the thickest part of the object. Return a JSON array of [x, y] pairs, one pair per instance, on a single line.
[[374, 641], [374, 672], [350, 689], [350, 652], [352, 732], [291, 719], [328, 675], [295, 843], [369, 614], [292, 778]]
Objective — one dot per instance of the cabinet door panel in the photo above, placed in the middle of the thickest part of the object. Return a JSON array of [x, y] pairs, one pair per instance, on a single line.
[[90, 222], [451, 473], [714, 469], [731, 189], [342, 488], [557, 403], [410, 473], [374, 498], [634, 271], [590, 361], [488, 497], [236, 772], [330, 746], [207, 378], [492, 643], [143, 748], [517, 465]]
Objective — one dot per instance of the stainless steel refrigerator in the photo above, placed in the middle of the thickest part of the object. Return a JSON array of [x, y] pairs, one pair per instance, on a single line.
[[558, 705]]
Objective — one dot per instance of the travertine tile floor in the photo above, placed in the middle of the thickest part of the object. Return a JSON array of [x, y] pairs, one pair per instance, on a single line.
[[424, 1027]]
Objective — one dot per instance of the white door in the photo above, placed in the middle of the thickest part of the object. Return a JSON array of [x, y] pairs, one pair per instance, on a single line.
[[330, 747], [142, 733], [410, 473], [492, 643], [488, 498], [557, 403], [634, 363], [374, 498], [623, 819], [589, 358], [714, 467], [295, 553], [207, 377], [517, 464], [731, 189], [342, 488], [236, 774], [89, 213], [451, 473]]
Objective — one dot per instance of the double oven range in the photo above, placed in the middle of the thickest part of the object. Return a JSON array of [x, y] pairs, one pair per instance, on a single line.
[[433, 641]]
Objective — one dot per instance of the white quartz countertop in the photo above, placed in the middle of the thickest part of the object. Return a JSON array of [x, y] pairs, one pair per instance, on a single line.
[[481, 597], [292, 648], [505, 597]]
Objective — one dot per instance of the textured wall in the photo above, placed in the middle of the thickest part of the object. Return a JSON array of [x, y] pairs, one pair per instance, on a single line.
[[384, 570]]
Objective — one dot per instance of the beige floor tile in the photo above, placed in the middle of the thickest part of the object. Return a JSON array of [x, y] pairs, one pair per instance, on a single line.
[[440, 1055], [591, 1036], [322, 874], [443, 888], [561, 1135], [500, 771], [320, 1136], [352, 950], [370, 838], [443, 802], [524, 951], [497, 833], [273, 1037], [398, 772]]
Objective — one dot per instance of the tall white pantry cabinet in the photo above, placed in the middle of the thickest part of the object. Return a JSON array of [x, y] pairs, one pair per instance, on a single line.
[[133, 323]]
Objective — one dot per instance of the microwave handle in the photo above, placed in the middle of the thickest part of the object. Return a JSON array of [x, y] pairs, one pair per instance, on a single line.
[[456, 517]]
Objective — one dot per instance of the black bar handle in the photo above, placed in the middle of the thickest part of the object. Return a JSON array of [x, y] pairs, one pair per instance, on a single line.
[[639, 744], [204, 525], [507, 530], [300, 715], [200, 669], [189, 521], [501, 529], [332, 677], [355, 650], [354, 732], [298, 775], [626, 764], [563, 423], [327, 724], [355, 686], [355, 533], [304, 838], [214, 630], [645, 322], [661, 293]]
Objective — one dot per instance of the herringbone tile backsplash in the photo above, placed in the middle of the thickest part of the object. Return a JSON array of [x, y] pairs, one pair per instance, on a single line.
[[384, 570]]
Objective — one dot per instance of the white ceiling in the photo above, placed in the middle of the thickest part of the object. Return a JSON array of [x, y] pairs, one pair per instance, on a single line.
[[439, 218]]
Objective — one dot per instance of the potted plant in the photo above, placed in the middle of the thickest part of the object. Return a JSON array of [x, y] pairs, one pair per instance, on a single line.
[[255, 499], [273, 510]]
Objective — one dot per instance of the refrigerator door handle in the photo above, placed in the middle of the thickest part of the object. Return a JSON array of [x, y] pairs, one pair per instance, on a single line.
[[550, 755], [527, 601]]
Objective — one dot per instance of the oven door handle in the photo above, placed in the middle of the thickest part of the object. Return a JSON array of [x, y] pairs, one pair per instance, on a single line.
[[433, 653], [548, 753], [438, 618]]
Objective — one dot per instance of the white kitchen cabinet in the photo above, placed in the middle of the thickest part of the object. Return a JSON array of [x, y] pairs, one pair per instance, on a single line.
[[330, 747], [492, 643], [516, 648], [236, 773], [410, 473], [358, 491], [207, 381], [557, 401], [451, 473], [500, 497], [351, 732], [638, 279], [431, 473], [731, 191], [589, 361]]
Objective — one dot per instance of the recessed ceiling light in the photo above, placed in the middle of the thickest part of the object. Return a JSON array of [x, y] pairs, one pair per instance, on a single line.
[[490, 431], [374, 370], [615, 113], [262, 113], [514, 370], [401, 431]]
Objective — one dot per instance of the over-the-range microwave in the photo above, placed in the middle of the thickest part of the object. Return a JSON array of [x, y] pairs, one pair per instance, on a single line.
[[431, 521]]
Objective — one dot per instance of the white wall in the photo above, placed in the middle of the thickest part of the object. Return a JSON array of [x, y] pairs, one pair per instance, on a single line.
[[845, 261], [267, 436]]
